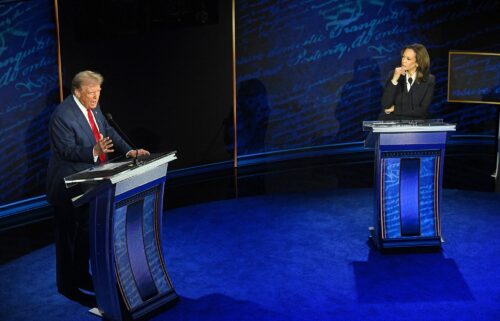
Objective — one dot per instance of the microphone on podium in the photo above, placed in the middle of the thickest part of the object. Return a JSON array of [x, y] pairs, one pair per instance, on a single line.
[[122, 133]]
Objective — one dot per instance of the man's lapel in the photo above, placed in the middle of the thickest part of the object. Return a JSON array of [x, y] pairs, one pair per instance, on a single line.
[[99, 118], [83, 123]]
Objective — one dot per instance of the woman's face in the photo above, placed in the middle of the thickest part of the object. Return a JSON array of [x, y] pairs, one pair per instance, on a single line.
[[409, 60]]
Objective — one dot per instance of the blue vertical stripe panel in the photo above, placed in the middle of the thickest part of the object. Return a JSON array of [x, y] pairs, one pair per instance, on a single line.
[[150, 244], [122, 262], [391, 200], [136, 251], [427, 196], [409, 190]]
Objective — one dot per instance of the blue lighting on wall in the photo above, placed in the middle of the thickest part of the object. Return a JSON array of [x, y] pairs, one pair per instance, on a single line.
[[29, 92], [316, 69]]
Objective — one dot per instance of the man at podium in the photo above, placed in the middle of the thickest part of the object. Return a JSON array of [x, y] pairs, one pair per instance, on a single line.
[[80, 138]]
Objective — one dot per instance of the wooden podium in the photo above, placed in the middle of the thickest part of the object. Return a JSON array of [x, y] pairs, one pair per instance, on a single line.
[[126, 200], [409, 158]]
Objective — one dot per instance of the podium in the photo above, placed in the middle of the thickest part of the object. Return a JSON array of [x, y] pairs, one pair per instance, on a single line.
[[409, 158], [126, 201]]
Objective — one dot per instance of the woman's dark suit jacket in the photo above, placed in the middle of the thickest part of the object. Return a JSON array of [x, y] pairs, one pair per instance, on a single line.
[[411, 104]]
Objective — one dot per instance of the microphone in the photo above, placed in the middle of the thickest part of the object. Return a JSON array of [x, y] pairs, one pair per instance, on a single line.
[[122, 133]]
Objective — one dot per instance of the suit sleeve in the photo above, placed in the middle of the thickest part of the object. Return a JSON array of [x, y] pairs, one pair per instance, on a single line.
[[429, 93], [67, 143], [389, 95]]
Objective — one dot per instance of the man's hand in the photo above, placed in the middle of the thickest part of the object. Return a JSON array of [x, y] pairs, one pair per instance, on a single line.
[[389, 110], [137, 152], [103, 146]]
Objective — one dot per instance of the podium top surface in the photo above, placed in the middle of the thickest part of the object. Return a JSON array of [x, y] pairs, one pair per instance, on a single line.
[[117, 171], [408, 126]]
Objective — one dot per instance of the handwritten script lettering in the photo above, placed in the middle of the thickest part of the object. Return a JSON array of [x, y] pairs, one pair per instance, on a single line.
[[28, 81], [324, 63]]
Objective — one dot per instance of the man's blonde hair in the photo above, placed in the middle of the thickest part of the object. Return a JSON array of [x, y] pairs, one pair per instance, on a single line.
[[86, 77]]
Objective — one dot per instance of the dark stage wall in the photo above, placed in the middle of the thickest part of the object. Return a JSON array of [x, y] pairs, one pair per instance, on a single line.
[[308, 72], [166, 67]]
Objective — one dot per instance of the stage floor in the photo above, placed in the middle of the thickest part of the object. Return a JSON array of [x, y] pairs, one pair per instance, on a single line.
[[295, 254]]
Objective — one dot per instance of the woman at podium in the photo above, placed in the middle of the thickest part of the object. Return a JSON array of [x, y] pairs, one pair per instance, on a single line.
[[410, 87]]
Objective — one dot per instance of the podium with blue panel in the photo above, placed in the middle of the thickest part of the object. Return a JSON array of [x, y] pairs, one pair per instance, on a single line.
[[409, 158], [126, 256]]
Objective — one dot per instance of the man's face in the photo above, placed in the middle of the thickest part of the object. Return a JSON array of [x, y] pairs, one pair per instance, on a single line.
[[88, 95]]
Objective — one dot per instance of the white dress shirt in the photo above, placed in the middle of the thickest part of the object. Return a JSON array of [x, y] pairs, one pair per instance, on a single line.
[[408, 85]]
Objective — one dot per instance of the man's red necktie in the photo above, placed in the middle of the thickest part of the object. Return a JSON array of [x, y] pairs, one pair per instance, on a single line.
[[95, 131]]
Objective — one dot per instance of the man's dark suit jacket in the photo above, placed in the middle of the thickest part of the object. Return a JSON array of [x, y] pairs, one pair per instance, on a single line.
[[408, 105], [71, 143]]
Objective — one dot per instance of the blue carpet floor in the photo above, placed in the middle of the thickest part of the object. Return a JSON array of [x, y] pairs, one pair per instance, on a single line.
[[298, 256]]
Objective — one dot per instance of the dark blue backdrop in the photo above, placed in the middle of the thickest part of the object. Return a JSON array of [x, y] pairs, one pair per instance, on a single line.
[[474, 77], [309, 72], [29, 91]]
